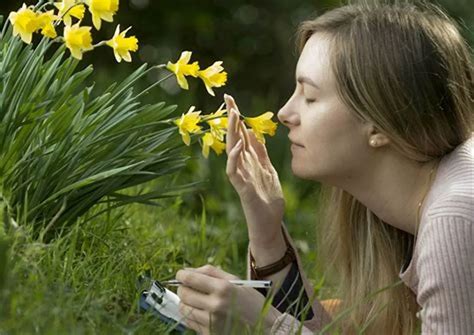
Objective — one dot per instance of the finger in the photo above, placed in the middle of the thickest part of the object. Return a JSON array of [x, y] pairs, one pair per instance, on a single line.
[[230, 103], [198, 281], [193, 298], [232, 127], [197, 327], [243, 134], [250, 162], [252, 153], [195, 319], [232, 136], [215, 272], [260, 150], [251, 159], [233, 158], [244, 175]]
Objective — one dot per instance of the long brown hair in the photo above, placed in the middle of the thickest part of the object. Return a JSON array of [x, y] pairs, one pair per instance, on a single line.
[[405, 68]]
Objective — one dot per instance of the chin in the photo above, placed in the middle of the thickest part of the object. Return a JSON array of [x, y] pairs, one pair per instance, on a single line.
[[305, 172], [302, 172]]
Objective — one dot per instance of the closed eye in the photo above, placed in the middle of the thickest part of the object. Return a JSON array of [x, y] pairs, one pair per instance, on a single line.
[[310, 101]]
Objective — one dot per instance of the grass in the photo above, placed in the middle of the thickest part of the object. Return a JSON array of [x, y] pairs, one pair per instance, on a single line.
[[85, 282]]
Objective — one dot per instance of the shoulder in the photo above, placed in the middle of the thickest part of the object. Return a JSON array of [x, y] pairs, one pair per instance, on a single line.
[[445, 236], [454, 189], [446, 241], [445, 271], [455, 204]]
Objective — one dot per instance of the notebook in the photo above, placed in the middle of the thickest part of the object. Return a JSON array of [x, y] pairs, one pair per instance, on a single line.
[[163, 303]]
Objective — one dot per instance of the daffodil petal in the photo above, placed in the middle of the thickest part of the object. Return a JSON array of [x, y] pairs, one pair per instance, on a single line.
[[26, 37], [96, 21], [127, 57], [185, 57], [117, 56], [186, 138], [76, 53], [183, 83], [210, 90]]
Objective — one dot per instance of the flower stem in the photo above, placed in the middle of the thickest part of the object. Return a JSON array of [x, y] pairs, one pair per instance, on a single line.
[[156, 83], [39, 5], [99, 44], [204, 119]]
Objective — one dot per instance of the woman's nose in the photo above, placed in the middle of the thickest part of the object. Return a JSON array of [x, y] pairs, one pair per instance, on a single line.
[[287, 116]]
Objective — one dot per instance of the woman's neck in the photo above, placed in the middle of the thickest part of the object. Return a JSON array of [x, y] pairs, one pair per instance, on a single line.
[[392, 188]]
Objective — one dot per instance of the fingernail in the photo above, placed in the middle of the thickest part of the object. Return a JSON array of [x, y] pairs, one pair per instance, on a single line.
[[226, 96], [189, 269], [239, 143]]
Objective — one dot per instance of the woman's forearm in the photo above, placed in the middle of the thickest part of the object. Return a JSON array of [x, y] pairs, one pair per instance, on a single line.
[[269, 253]]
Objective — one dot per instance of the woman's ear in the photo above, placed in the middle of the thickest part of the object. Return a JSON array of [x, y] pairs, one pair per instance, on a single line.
[[376, 138]]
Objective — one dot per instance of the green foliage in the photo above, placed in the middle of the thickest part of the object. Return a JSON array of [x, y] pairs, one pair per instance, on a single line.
[[85, 281], [64, 147]]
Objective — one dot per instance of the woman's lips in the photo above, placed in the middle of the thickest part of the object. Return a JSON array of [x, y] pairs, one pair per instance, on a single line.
[[296, 146]]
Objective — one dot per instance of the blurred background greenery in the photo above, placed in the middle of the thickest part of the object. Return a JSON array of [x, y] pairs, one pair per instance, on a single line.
[[91, 271], [254, 39]]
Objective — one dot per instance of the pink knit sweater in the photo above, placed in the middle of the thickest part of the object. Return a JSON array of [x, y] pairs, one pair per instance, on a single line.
[[441, 271]]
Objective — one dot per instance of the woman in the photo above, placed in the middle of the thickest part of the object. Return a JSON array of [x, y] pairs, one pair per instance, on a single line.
[[382, 116]]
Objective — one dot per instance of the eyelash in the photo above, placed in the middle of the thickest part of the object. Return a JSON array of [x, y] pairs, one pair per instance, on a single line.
[[309, 101]]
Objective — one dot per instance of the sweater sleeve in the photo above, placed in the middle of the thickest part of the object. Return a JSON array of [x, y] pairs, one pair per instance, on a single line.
[[291, 297], [446, 276], [310, 310]]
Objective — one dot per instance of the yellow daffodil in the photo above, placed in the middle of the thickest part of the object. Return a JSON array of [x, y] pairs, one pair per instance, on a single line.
[[123, 45], [213, 76], [182, 69], [78, 39], [188, 124], [102, 10], [68, 8], [46, 24], [210, 141], [25, 23], [218, 123], [262, 124]]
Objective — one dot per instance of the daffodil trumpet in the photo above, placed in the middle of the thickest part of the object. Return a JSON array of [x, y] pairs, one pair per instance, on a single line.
[[68, 11]]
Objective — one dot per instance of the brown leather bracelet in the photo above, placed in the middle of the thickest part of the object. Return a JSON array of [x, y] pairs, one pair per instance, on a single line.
[[261, 272]]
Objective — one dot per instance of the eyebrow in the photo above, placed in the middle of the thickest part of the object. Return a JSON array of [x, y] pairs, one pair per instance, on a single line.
[[303, 79]]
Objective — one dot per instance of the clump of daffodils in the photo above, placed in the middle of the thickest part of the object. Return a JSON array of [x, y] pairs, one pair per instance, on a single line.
[[68, 14], [213, 76], [212, 128], [78, 38]]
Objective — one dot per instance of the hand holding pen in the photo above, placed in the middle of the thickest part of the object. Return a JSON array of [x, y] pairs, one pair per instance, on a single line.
[[238, 282], [211, 294]]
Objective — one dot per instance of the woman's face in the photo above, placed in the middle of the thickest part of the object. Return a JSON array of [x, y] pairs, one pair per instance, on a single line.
[[328, 142]]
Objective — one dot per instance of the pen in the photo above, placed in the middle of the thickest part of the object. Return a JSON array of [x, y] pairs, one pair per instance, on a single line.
[[245, 283]]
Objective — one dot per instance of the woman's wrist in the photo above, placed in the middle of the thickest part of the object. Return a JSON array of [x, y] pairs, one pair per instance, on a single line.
[[268, 251]]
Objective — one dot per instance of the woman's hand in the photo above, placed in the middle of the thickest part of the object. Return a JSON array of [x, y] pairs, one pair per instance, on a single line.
[[256, 181], [210, 303]]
